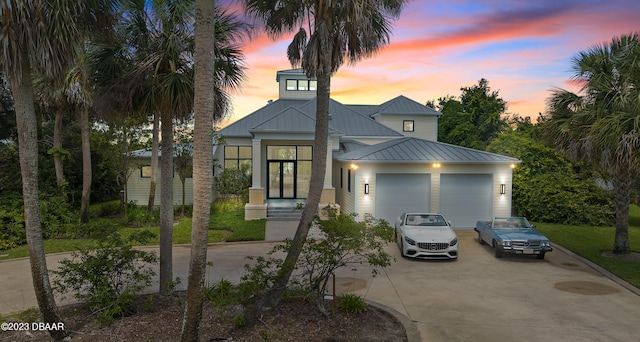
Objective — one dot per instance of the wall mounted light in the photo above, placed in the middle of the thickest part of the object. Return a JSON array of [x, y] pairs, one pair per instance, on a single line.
[[436, 165], [354, 166], [366, 188], [503, 189]]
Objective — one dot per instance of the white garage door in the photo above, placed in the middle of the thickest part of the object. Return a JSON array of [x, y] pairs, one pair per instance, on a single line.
[[466, 198], [397, 193]]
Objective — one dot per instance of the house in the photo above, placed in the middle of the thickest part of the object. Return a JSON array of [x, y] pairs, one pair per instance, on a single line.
[[383, 159]]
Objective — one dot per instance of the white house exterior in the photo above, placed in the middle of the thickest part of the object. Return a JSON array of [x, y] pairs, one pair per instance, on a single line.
[[383, 159]]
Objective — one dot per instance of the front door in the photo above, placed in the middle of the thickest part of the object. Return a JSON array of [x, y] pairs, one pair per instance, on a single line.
[[282, 179]]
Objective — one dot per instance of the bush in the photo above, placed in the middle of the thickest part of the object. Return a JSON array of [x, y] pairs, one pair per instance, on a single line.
[[12, 232], [351, 303], [234, 181], [139, 217], [109, 277], [558, 198], [59, 220], [346, 242], [107, 209]]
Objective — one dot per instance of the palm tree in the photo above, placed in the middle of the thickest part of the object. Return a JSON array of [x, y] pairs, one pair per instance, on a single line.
[[41, 37], [601, 124], [339, 30], [204, 84], [77, 89], [219, 69]]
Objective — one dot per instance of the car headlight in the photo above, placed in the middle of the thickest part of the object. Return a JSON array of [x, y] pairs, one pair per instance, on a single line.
[[410, 241], [453, 242], [545, 244], [505, 242]]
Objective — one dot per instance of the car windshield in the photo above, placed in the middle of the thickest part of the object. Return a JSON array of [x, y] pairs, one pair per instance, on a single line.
[[511, 223], [425, 220]]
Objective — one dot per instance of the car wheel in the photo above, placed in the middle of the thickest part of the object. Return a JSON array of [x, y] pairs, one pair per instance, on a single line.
[[401, 247], [480, 239], [540, 256], [496, 250]]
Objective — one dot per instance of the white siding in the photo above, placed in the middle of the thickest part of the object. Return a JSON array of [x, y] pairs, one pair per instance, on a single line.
[[425, 127], [138, 188]]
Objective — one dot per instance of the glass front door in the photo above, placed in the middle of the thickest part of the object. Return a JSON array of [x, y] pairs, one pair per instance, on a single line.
[[282, 179]]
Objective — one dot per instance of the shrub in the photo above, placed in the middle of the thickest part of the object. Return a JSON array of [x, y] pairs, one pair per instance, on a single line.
[[109, 277], [107, 209], [139, 217], [346, 242], [351, 303], [234, 181]]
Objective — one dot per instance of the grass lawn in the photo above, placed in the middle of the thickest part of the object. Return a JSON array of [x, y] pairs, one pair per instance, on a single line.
[[589, 242], [227, 226]]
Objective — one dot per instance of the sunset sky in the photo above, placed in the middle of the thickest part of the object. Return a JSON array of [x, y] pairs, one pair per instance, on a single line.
[[522, 47]]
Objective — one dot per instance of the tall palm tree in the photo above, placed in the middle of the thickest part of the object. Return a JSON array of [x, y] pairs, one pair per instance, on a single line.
[[340, 31], [204, 84], [601, 124], [41, 36], [220, 69], [78, 92]]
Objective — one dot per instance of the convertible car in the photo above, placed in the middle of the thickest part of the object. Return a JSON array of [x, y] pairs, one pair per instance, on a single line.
[[513, 235], [426, 236]]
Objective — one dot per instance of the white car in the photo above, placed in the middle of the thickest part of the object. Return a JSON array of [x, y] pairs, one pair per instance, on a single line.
[[426, 236]]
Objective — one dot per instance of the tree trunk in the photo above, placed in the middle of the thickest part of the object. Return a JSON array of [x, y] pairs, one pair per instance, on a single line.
[[319, 166], [154, 163], [202, 166], [86, 164], [57, 144], [22, 92], [166, 204], [622, 199]]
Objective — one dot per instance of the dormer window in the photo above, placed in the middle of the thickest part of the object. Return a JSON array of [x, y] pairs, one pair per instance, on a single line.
[[302, 85]]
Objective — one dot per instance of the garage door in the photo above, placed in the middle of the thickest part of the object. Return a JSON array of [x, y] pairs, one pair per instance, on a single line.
[[466, 198], [397, 193]]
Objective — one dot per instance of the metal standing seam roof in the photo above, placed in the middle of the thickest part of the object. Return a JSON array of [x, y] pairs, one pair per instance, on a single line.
[[420, 150], [343, 119], [403, 105], [290, 120]]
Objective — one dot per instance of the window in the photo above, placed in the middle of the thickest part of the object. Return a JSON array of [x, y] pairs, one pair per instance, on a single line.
[[349, 180], [292, 84], [302, 85], [407, 126], [237, 156], [341, 178], [145, 171]]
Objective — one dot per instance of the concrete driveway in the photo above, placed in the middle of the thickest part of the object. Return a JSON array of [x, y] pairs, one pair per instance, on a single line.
[[481, 298], [476, 298]]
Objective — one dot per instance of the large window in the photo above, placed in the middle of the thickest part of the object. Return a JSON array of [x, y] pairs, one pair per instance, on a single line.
[[237, 156], [302, 85]]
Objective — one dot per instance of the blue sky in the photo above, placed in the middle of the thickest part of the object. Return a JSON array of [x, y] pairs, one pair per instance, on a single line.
[[522, 47]]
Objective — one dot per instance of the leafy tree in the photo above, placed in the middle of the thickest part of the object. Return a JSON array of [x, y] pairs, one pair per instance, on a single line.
[[474, 119], [41, 36], [339, 31], [600, 124]]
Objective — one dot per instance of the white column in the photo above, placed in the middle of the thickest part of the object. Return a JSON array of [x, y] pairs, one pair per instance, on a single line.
[[328, 182], [256, 164]]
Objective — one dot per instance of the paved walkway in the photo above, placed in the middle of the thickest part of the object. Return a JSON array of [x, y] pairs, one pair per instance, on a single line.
[[476, 298]]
